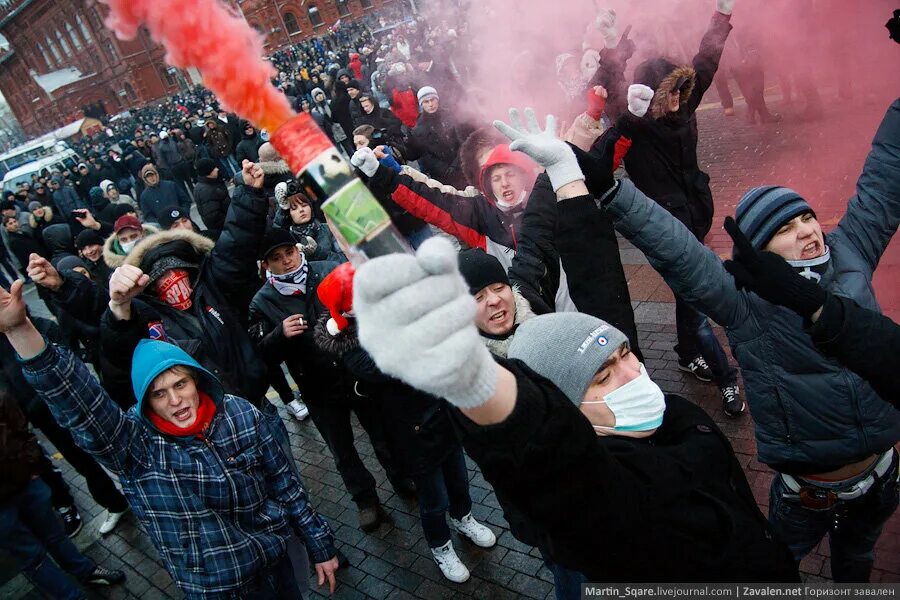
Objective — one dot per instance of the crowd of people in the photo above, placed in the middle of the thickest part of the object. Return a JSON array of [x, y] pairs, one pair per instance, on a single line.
[[185, 263]]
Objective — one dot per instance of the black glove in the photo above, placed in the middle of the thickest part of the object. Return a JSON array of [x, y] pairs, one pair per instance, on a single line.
[[893, 26], [597, 165], [770, 277]]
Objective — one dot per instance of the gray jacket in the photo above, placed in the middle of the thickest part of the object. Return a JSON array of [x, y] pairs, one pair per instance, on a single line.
[[811, 414]]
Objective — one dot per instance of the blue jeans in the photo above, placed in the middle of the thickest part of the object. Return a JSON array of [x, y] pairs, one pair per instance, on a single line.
[[696, 338], [853, 525], [445, 488], [30, 530]]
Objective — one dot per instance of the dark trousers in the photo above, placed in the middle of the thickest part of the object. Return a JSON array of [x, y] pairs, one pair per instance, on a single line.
[[566, 582], [279, 382], [853, 525], [696, 338], [32, 533], [275, 583], [444, 489], [101, 487], [331, 415]]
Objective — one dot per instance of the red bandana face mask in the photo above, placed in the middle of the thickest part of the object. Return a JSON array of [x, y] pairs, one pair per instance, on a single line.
[[174, 288]]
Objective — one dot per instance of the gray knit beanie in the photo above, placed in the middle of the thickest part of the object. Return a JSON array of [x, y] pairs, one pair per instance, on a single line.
[[566, 348]]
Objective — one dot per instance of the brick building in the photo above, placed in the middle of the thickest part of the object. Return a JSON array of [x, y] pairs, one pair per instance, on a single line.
[[62, 62], [285, 22]]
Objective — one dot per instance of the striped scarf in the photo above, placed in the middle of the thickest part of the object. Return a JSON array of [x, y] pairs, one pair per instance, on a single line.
[[293, 283]]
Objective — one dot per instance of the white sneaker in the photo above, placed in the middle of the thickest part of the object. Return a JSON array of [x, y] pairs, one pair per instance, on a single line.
[[449, 563], [112, 519], [297, 409], [475, 531]]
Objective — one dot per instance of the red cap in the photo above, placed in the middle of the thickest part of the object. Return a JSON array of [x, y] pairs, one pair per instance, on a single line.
[[336, 293], [127, 222], [502, 155]]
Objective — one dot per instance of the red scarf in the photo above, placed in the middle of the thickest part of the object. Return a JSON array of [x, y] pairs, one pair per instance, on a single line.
[[205, 413]]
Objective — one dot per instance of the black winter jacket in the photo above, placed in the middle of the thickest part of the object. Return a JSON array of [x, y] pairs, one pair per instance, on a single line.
[[862, 340], [248, 148], [417, 425], [211, 197], [435, 143], [213, 330], [269, 308], [662, 159], [21, 458], [23, 245], [675, 506]]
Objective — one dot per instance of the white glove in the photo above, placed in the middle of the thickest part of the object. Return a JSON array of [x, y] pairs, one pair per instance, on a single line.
[[365, 160], [605, 22], [590, 62], [542, 146], [416, 319], [725, 6], [639, 97]]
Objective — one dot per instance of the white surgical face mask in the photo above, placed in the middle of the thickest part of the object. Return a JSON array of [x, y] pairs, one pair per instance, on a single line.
[[128, 246], [508, 205], [637, 406]]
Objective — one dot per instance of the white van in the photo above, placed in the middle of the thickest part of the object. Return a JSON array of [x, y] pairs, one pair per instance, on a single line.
[[66, 159]]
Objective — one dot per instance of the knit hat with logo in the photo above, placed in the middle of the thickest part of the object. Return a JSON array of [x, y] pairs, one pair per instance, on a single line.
[[566, 348]]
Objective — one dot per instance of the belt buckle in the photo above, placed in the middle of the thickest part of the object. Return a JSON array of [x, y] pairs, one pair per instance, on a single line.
[[815, 498]]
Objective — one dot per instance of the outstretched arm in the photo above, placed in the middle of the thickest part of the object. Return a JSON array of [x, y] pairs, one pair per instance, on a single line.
[[233, 259], [463, 217], [78, 402], [706, 62], [862, 340], [417, 320], [873, 214]]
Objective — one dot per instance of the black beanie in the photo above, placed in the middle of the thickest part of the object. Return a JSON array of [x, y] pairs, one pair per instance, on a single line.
[[480, 270], [205, 166], [88, 237], [122, 208]]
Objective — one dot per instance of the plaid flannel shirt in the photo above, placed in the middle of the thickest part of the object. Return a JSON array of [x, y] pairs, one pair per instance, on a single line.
[[219, 509]]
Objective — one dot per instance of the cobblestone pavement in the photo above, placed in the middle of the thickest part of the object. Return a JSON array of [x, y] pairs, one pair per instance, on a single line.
[[394, 562]]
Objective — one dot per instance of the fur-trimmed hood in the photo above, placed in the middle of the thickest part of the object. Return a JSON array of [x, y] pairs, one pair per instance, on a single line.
[[662, 75], [523, 313], [48, 216], [336, 345], [201, 244], [112, 258]]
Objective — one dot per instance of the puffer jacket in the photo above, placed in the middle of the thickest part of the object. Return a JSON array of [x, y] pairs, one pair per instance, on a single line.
[[218, 508], [211, 197], [812, 415], [223, 278]]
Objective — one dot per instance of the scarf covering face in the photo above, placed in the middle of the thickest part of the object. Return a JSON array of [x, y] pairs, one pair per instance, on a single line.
[[174, 288], [812, 268], [293, 283]]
